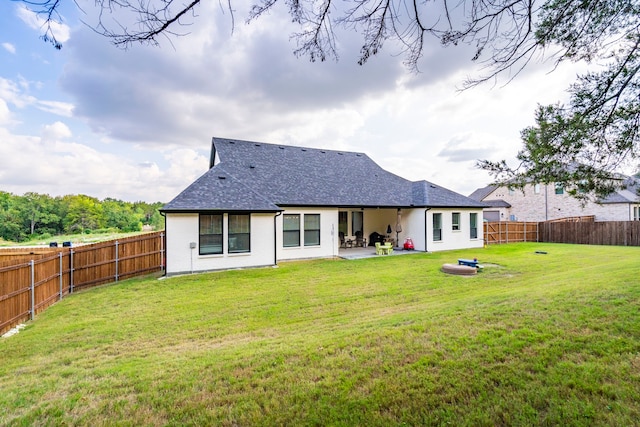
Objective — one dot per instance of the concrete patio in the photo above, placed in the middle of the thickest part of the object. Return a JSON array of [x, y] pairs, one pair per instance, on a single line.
[[368, 252]]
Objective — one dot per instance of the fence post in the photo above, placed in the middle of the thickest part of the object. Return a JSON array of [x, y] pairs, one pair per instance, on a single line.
[[116, 260], [161, 251], [60, 258], [525, 232], [71, 271], [33, 289]]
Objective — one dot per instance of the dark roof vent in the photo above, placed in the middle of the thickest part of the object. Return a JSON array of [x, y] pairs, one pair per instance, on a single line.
[[222, 177], [281, 147], [257, 145], [232, 142], [322, 151], [432, 186], [304, 149], [358, 155], [252, 166], [340, 154]]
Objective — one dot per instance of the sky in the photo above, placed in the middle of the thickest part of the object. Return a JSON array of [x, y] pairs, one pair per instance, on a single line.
[[137, 124]]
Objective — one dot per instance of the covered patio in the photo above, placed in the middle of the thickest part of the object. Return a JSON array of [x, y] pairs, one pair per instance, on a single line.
[[368, 252]]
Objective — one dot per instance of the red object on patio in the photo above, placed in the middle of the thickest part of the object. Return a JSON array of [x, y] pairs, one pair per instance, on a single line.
[[408, 244]]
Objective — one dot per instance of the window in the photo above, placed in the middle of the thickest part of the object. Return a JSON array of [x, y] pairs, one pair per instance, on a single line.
[[511, 191], [536, 189], [312, 229], [343, 226], [291, 230], [239, 233], [357, 222], [636, 213], [210, 234], [455, 221], [437, 227], [559, 188], [583, 186], [473, 225]]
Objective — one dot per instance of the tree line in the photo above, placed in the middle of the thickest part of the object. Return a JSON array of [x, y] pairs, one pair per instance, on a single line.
[[38, 216]]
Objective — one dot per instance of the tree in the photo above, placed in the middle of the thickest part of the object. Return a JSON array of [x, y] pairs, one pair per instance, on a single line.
[[598, 129], [84, 213]]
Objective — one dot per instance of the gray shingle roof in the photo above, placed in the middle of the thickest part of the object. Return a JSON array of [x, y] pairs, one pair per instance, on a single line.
[[263, 177], [496, 203], [629, 194], [480, 193]]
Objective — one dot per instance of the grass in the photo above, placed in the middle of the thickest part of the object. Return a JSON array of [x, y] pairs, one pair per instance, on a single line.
[[75, 239], [532, 340]]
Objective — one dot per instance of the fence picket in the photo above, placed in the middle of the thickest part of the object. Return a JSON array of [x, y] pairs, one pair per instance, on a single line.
[[33, 279]]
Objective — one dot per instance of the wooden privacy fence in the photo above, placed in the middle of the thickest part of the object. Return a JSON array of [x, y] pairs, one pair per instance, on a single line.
[[619, 233], [510, 232], [32, 281]]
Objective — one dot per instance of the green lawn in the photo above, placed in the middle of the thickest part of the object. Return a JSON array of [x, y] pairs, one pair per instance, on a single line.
[[535, 339], [75, 239]]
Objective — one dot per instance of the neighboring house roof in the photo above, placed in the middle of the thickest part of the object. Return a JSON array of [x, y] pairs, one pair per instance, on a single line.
[[496, 203], [627, 195], [630, 194], [483, 192], [263, 177]]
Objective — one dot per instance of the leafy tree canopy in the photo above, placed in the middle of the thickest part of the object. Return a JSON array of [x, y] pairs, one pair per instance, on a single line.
[[597, 130], [36, 215]]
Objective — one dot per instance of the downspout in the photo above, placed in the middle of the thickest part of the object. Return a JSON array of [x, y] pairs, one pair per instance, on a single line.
[[275, 239], [163, 255], [546, 203], [425, 228]]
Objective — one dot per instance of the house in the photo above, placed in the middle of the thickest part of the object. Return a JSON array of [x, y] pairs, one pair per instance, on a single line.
[[545, 202], [262, 203]]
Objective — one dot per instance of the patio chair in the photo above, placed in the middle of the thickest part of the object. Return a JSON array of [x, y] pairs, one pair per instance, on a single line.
[[360, 242], [344, 243], [385, 249], [379, 250]]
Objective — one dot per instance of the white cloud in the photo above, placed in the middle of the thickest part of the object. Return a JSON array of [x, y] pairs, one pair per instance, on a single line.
[[56, 131], [5, 114], [60, 31], [9, 47], [153, 111], [51, 164], [17, 94]]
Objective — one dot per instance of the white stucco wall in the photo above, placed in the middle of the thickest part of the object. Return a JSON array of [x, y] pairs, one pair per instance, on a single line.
[[329, 240], [413, 227], [182, 229], [458, 239], [546, 205]]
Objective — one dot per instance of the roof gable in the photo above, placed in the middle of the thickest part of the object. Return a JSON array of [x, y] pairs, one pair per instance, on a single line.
[[481, 193]]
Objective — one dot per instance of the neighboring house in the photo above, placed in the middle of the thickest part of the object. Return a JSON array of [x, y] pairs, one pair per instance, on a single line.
[[541, 202], [261, 203]]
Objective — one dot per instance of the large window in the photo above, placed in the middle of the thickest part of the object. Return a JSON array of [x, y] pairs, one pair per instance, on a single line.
[[473, 225], [559, 188], [343, 225], [455, 221], [239, 233], [210, 234], [312, 229], [437, 227], [291, 230], [636, 213], [357, 222]]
